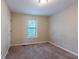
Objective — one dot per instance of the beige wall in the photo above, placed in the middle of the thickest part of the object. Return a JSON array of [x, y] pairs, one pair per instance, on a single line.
[[19, 29], [5, 29], [63, 29]]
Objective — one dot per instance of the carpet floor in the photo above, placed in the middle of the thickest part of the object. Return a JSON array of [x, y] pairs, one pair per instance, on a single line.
[[38, 51]]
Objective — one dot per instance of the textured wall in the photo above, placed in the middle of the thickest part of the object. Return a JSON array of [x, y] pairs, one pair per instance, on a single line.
[[5, 29], [63, 28], [19, 22]]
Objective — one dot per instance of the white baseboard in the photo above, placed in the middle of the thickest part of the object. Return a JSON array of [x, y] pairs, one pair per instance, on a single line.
[[5, 54], [64, 48], [29, 43], [46, 42]]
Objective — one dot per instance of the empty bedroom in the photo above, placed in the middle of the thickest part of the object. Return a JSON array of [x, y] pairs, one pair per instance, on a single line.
[[39, 29]]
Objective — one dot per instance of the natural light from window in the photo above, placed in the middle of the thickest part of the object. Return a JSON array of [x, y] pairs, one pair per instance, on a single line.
[[31, 28]]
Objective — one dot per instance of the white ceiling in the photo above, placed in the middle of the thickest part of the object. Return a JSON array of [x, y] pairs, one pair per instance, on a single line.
[[33, 7]]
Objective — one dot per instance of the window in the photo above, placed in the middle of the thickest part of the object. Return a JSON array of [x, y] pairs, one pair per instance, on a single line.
[[31, 28]]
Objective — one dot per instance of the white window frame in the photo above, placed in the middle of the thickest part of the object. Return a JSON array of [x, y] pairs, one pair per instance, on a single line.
[[27, 29]]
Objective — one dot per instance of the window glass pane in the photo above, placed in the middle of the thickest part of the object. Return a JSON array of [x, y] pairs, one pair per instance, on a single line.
[[31, 33], [31, 29], [31, 23]]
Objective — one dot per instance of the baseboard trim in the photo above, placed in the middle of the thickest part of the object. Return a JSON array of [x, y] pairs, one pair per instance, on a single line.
[[5, 53], [29, 43], [46, 42], [64, 48]]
